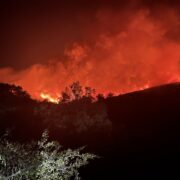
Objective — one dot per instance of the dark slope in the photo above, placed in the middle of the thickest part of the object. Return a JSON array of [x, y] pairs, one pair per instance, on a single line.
[[149, 115], [146, 135]]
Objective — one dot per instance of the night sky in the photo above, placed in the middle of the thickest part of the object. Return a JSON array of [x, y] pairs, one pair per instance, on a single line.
[[35, 31]]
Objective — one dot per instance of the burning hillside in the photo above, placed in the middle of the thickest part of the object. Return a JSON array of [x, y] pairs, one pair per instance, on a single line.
[[125, 49]]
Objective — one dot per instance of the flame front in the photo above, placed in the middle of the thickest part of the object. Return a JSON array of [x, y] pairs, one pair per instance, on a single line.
[[49, 98]]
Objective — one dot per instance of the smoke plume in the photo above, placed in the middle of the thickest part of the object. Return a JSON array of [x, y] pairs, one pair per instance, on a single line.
[[123, 50]]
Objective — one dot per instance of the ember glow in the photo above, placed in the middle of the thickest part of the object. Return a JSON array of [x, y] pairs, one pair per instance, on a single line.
[[121, 50], [49, 98]]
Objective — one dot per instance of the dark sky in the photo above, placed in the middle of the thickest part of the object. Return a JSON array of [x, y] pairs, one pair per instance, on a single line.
[[36, 31]]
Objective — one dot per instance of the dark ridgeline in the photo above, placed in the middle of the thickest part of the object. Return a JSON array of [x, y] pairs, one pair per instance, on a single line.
[[145, 130], [146, 135]]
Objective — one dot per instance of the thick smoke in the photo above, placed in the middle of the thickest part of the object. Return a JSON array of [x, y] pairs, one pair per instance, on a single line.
[[125, 49]]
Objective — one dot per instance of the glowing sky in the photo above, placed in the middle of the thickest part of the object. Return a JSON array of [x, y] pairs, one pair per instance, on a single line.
[[116, 46]]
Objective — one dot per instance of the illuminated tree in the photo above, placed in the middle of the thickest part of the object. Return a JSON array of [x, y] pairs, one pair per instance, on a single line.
[[40, 160]]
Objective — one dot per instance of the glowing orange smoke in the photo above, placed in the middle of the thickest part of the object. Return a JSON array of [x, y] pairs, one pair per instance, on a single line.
[[123, 58]]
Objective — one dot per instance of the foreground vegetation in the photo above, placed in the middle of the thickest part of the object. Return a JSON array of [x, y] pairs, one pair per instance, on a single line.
[[78, 119], [41, 160]]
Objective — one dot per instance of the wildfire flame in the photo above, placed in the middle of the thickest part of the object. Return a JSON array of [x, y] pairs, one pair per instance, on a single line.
[[49, 98], [124, 55]]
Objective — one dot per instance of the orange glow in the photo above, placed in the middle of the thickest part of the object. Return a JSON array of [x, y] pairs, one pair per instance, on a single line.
[[136, 55], [49, 98]]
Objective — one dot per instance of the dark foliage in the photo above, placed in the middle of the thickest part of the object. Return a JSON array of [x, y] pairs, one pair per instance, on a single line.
[[77, 120], [17, 113], [145, 137]]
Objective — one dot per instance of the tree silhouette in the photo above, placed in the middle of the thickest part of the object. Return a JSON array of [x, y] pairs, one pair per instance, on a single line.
[[76, 92], [10, 93]]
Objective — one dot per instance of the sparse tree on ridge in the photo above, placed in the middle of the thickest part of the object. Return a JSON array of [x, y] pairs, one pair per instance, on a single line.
[[76, 92]]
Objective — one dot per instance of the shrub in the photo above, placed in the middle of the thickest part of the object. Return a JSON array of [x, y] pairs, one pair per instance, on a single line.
[[41, 160]]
